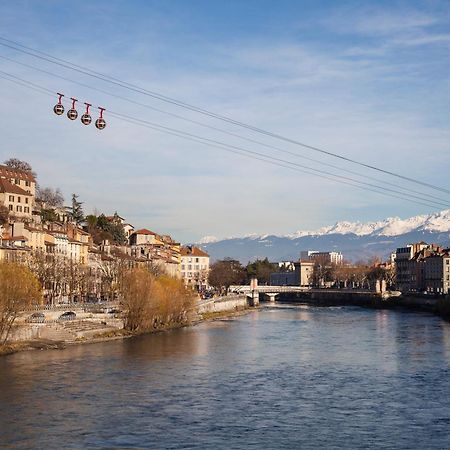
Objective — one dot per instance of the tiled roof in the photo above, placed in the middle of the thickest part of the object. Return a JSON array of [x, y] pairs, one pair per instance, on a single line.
[[7, 187], [6, 171], [192, 251], [145, 231]]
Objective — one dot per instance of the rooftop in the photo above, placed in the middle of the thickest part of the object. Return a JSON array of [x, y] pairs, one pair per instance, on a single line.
[[7, 187], [192, 251], [8, 172]]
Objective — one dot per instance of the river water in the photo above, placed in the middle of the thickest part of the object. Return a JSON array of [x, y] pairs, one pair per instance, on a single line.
[[287, 376]]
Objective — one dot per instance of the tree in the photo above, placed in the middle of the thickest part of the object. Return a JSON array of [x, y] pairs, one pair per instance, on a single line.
[[261, 269], [18, 164], [52, 198], [48, 215], [76, 211], [101, 228], [19, 289], [225, 273], [153, 302]]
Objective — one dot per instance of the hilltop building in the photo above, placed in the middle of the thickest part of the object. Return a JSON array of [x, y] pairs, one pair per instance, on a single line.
[[17, 192]]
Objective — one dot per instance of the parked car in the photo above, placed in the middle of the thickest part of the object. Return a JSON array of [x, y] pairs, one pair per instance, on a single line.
[[68, 315], [36, 317]]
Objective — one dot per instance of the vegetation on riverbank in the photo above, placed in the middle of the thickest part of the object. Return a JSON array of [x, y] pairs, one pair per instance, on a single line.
[[153, 303], [19, 289]]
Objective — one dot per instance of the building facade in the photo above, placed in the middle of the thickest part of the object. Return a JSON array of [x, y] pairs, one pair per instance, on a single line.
[[195, 267], [422, 267], [324, 257]]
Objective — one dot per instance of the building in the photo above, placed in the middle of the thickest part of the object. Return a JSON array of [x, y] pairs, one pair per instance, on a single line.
[[422, 267], [323, 257], [302, 275], [17, 192], [195, 267], [143, 237], [437, 273]]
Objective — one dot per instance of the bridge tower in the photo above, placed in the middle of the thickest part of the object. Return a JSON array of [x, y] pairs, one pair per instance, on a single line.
[[254, 292]]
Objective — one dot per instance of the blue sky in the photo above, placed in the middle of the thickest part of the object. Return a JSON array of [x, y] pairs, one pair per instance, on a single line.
[[369, 80]]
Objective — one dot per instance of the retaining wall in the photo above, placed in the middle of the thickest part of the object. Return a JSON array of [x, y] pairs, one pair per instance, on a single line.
[[222, 304]]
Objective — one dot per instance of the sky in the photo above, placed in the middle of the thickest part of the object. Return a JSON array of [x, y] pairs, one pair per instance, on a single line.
[[367, 80]]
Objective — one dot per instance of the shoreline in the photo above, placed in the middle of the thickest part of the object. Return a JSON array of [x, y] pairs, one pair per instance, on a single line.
[[107, 336]]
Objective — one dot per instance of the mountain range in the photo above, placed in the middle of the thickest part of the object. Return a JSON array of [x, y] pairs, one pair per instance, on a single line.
[[356, 240]]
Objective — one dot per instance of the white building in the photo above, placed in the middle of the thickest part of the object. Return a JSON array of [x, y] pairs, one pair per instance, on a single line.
[[327, 257], [195, 267]]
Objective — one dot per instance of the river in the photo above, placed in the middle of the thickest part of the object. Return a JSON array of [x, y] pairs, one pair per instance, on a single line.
[[285, 376]]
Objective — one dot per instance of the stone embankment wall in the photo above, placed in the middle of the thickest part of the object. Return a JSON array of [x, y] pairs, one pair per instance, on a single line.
[[87, 323], [223, 304]]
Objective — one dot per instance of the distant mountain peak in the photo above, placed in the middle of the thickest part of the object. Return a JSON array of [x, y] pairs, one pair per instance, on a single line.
[[355, 239], [392, 226]]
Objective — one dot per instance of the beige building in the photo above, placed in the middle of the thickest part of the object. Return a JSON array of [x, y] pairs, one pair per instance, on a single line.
[[195, 267], [144, 237], [17, 191]]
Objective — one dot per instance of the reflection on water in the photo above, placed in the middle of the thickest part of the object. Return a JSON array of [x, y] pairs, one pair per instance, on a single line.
[[280, 377]]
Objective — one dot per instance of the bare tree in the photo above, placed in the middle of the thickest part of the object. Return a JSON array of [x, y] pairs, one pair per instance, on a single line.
[[50, 197], [19, 289]]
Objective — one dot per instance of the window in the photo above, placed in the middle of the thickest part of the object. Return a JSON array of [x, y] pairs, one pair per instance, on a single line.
[[11, 198], [27, 183], [182, 266], [26, 199], [190, 267], [196, 259], [10, 207], [19, 208], [197, 267], [26, 209], [19, 199], [16, 181]]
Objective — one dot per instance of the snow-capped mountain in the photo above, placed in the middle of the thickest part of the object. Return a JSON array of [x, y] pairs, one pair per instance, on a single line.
[[355, 240], [392, 226]]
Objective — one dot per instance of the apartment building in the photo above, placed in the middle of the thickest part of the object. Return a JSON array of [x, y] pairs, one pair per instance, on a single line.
[[423, 267], [323, 257], [194, 267]]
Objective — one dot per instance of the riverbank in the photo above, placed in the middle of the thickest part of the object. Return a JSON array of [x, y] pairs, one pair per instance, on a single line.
[[207, 314]]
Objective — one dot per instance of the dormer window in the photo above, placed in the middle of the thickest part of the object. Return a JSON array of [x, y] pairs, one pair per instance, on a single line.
[[17, 181]]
